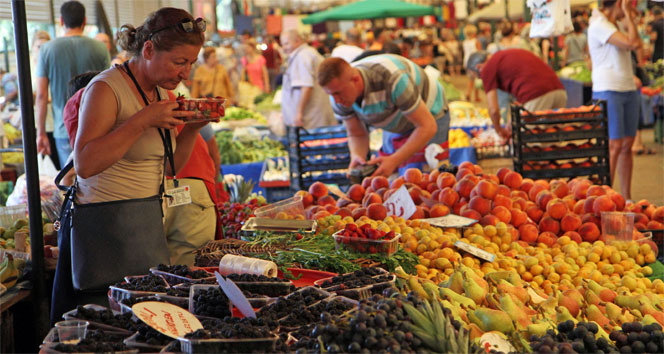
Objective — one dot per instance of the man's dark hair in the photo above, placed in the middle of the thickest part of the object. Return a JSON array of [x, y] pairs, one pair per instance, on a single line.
[[656, 10], [80, 81], [577, 26], [73, 14], [391, 48], [608, 3]]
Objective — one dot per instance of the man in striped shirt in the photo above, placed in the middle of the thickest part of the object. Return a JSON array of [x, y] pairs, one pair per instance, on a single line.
[[392, 93]]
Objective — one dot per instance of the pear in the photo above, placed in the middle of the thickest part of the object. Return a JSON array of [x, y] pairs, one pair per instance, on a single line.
[[627, 301], [539, 329], [470, 273], [605, 294], [648, 319], [548, 307], [492, 301], [575, 295], [593, 313], [491, 320], [601, 332], [455, 282], [571, 304], [514, 309], [473, 290], [648, 309], [614, 313], [591, 298], [562, 315], [474, 331], [456, 299], [506, 288], [510, 276]]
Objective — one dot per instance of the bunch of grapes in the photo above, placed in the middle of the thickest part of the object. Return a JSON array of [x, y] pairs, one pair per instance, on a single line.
[[638, 338]]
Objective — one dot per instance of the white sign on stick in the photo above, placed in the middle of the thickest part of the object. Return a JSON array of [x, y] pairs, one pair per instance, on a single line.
[[400, 204], [166, 318]]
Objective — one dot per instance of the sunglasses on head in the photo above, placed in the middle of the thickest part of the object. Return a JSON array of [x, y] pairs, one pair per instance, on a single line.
[[187, 25]]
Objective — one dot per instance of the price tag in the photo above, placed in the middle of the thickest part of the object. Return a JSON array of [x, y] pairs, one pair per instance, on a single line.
[[479, 253], [450, 220], [166, 318], [400, 204], [178, 196]]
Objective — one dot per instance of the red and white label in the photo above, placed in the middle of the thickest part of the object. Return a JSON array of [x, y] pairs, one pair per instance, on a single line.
[[166, 318], [400, 204]]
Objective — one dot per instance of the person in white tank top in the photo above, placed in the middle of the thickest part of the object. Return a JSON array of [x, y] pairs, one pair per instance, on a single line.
[[470, 46]]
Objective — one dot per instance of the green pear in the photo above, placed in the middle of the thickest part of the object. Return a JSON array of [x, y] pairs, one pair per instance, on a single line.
[[631, 302], [562, 315], [514, 308], [491, 320], [539, 329], [614, 313], [455, 282], [456, 299], [593, 313], [473, 291]]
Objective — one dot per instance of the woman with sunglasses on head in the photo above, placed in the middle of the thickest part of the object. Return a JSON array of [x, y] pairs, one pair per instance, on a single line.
[[126, 140]]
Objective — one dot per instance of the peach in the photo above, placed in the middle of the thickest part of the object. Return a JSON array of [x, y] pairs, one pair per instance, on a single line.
[[370, 199], [366, 182], [520, 203], [448, 196], [595, 190], [642, 218], [542, 183], [547, 238], [464, 187], [549, 224], [518, 217], [489, 220], [519, 194], [433, 176], [650, 211], [439, 210], [513, 180], [603, 203], [501, 173], [435, 195], [487, 189], [569, 199], [590, 217], [578, 207], [424, 180], [379, 182], [589, 232], [502, 213], [491, 177], [467, 164], [368, 190], [413, 175], [356, 192], [331, 208], [318, 190], [418, 214], [528, 233], [534, 213], [503, 190], [376, 211], [388, 193], [321, 214], [481, 205], [326, 200], [397, 182], [559, 188], [352, 206], [543, 198], [588, 205], [307, 198], [574, 236], [431, 187], [456, 208], [526, 185], [470, 213], [381, 193], [654, 225], [445, 179], [618, 200], [344, 212], [532, 193], [342, 202], [502, 201], [477, 169], [580, 189], [311, 210], [415, 194], [570, 222], [557, 208], [640, 226], [658, 214], [463, 172], [359, 212]]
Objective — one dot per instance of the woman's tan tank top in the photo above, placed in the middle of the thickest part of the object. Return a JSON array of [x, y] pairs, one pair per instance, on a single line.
[[139, 172]]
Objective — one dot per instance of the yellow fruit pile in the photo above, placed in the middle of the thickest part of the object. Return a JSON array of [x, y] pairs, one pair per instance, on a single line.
[[458, 138]]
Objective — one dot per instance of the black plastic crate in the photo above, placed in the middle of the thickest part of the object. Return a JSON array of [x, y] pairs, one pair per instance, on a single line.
[[275, 194], [597, 150], [331, 132]]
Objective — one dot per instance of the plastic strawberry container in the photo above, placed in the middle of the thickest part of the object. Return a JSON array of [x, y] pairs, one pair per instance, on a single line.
[[365, 245], [206, 109], [291, 208], [71, 315]]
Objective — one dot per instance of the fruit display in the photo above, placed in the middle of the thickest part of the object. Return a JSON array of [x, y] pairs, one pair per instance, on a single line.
[[177, 274], [96, 315], [148, 335], [10, 270], [210, 302], [365, 239], [576, 71], [458, 139], [635, 337], [260, 285], [94, 342], [466, 114], [235, 151], [360, 284], [303, 316], [149, 283], [233, 216], [300, 299]]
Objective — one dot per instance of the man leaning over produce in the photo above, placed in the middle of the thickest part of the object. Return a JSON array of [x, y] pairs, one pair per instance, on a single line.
[[390, 92], [522, 74]]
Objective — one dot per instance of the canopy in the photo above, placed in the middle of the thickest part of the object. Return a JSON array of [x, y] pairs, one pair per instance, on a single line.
[[496, 11], [368, 9]]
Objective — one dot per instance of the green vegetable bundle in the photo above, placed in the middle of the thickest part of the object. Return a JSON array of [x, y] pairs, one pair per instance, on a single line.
[[239, 113], [235, 152]]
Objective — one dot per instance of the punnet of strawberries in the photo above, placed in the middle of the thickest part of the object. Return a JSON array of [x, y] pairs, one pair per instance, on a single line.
[[233, 216], [366, 239], [205, 108]]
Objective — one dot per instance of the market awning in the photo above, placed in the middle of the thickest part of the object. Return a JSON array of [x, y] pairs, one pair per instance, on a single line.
[[368, 9], [496, 11]]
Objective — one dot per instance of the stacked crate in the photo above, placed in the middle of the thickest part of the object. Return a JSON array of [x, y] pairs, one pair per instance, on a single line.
[[565, 143], [318, 155]]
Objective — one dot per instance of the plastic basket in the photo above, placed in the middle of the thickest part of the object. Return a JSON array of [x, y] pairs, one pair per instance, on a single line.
[[363, 245], [244, 345]]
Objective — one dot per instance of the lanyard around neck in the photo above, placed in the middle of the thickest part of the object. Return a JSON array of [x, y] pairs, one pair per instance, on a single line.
[[165, 134]]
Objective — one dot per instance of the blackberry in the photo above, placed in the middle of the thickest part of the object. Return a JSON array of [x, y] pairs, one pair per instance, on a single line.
[[148, 283]]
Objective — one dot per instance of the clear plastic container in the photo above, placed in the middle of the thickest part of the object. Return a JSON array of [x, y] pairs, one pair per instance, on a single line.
[[133, 343], [319, 283], [119, 294], [245, 345], [291, 208], [275, 289], [49, 348], [179, 301], [72, 331], [617, 226], [173, 279], [364, 245], [71, 315], [9, 214], [206, 109]]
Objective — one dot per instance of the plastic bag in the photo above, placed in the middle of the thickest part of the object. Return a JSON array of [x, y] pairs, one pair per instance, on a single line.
[[45, 166], [550, 18]]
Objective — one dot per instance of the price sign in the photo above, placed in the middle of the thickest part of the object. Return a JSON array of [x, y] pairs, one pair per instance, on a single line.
[[166, 318], [479, 253], [400, 204]]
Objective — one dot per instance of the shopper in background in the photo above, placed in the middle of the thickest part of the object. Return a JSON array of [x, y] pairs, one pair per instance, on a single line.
[[254, 68], [119, 154], [389, 92], [303, 103], [576, 45], [59, 61], [272, 60], [656, 29], [211, 79], [9, 83], [455, 56], [470, 46], [104, 38], [613, 81], [507, 38], [351, 48], [484, 35], [523, 75]]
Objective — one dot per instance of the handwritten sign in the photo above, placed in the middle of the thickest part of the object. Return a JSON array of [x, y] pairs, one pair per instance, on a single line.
[[166, 318], [450, 220], [400, 204], [479, 253]]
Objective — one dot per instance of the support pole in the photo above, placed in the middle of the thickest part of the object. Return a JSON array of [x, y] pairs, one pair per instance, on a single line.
[[39, 297]]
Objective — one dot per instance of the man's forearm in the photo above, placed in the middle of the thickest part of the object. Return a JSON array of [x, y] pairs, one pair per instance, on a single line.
[[42, 105], [417, 140], [358, 146]]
